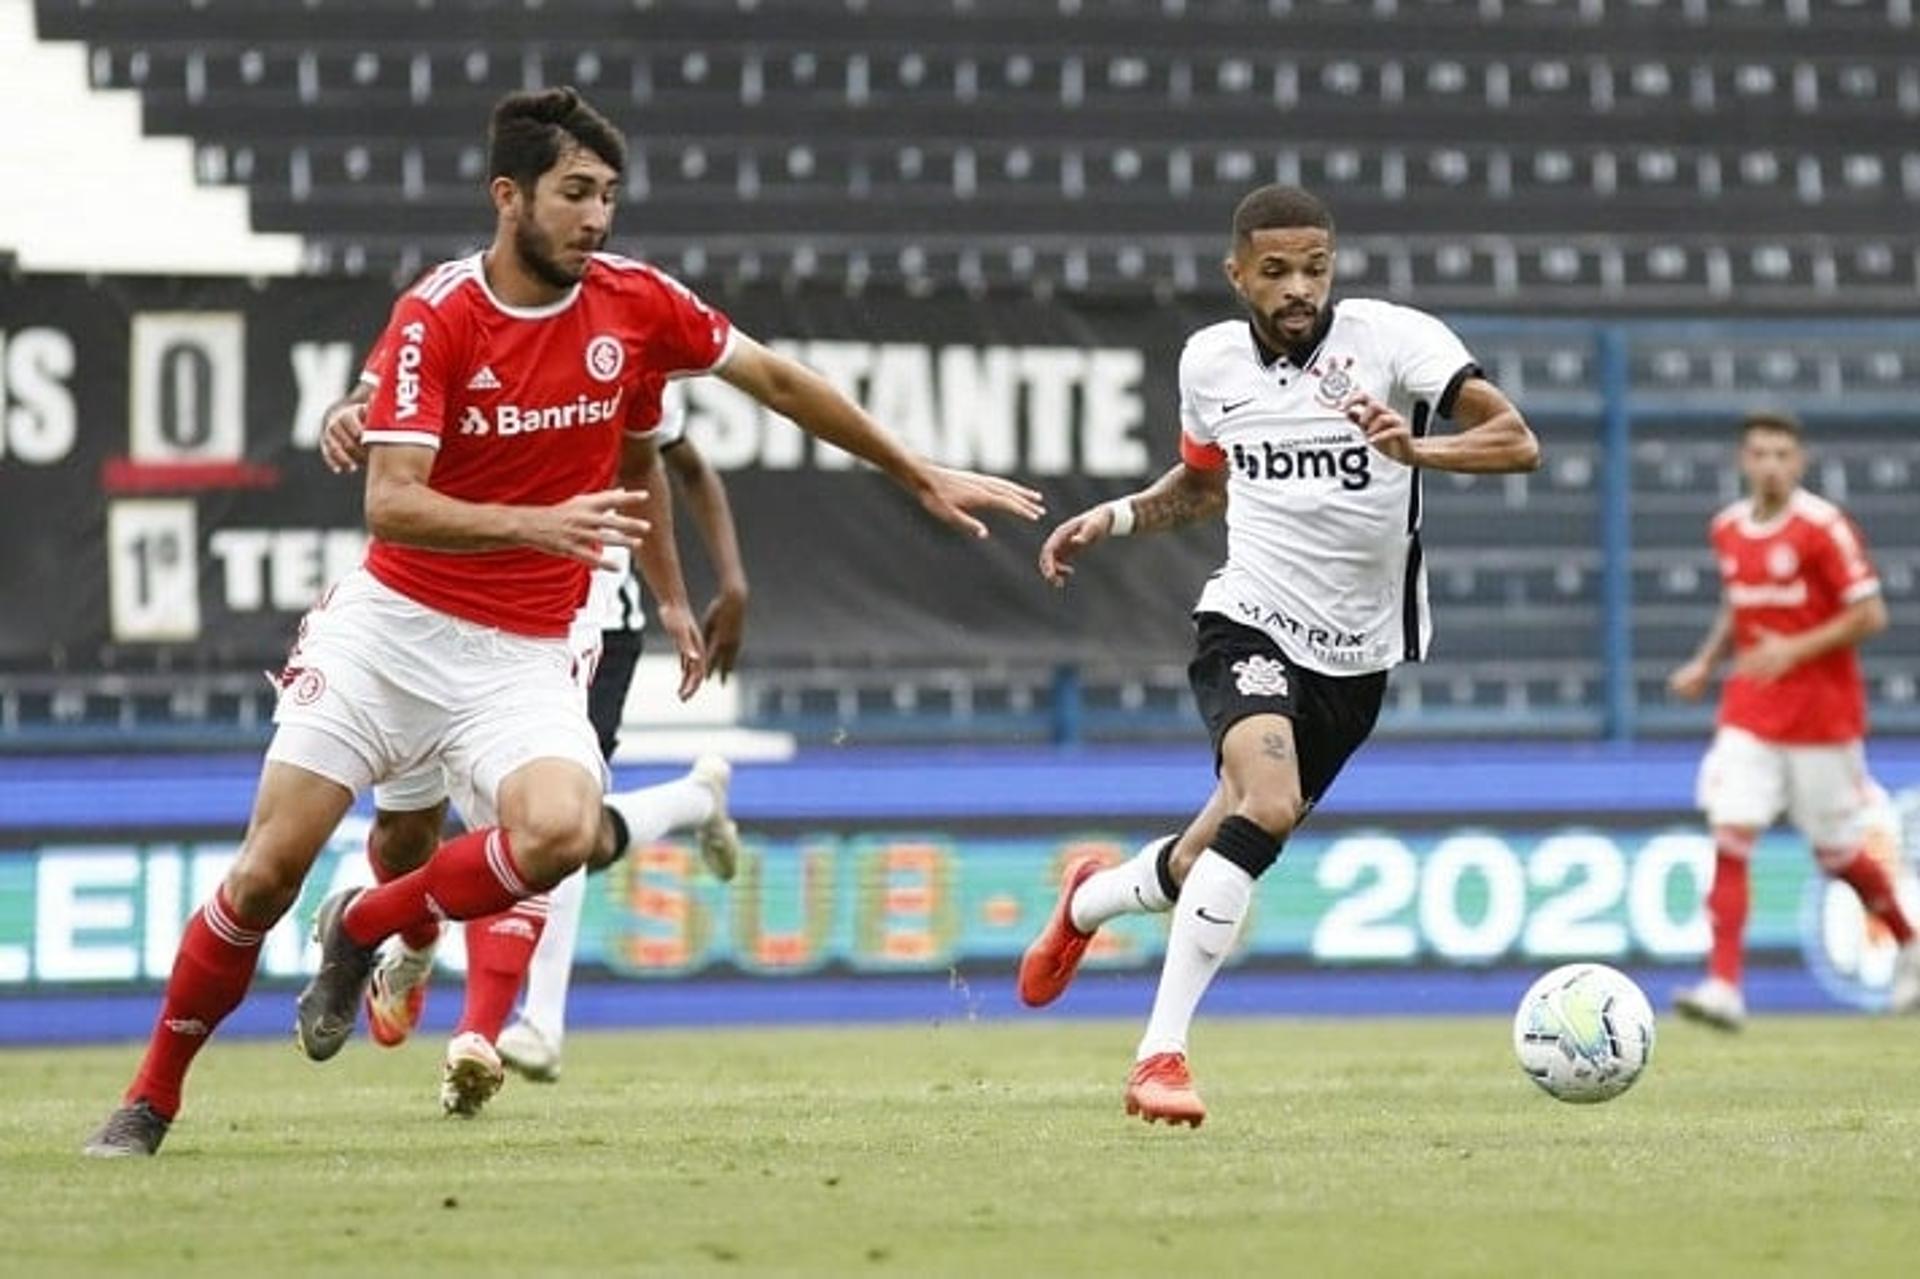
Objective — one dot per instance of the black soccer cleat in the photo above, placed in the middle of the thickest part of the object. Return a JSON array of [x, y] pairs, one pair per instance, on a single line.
[[330, 1004], [133, 1131]]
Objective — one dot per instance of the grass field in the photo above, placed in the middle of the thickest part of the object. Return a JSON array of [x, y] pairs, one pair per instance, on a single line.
[[1408, 1148]]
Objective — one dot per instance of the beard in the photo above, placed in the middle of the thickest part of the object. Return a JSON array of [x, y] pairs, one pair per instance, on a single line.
[[536, 251], [1269, 324]]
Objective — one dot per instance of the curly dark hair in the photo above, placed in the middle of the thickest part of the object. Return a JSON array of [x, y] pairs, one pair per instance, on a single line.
[[529, 130]]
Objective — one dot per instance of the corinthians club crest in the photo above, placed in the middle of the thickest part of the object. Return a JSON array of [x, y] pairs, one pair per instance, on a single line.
[[1259, 676], [1336, 383]]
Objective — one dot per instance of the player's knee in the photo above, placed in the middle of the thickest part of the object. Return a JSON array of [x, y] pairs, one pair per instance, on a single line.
[[1249, 843], [1833, 859], [553, 838], [263, 888], [401, 842], [1276, 813]]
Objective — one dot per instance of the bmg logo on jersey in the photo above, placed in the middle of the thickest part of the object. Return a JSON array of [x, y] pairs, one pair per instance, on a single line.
[[1351, 465]]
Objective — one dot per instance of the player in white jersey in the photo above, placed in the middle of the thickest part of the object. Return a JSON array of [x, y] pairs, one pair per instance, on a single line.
[[1308, 422], [410, 811]]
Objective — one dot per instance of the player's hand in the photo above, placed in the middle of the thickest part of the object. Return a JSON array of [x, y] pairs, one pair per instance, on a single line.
[[721, 629], [949, 495], [1689, 682], [340, 444], [677, 621], [581, 528], [1070, 538], [1385, 430], [1770, 656]]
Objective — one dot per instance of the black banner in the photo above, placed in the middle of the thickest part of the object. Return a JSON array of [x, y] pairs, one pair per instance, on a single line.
[[164, 506]]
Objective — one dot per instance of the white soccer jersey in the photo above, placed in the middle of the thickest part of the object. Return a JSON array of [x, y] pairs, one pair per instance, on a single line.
[[1323, 531], [614, 595]]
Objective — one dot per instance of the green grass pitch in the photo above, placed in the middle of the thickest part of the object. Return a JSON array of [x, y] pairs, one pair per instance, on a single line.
[[1366, 1147]]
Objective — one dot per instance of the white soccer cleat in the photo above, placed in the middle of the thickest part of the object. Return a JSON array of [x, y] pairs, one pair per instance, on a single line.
[[719, 837], [1905, 997], [471, 1076], [529, 1053], [1713, 1003]]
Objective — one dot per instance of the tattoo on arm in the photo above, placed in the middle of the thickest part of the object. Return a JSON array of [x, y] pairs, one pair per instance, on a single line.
[[1274, 746], [1165, 510], [1174, 505]]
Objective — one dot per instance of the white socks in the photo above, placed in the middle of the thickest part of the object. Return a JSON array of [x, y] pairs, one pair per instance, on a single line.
[[1131, 888], [652, 811], [551, 971], [1213, 903]]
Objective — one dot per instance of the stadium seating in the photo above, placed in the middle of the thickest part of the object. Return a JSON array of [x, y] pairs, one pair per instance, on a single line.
[[1669, 154], [1539, 157]]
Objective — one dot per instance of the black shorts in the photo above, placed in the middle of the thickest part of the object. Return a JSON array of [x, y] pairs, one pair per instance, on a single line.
[[607, 695], [1238, 671]]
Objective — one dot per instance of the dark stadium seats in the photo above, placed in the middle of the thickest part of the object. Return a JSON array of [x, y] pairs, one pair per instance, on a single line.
[[1572, 160], [1689, 153]]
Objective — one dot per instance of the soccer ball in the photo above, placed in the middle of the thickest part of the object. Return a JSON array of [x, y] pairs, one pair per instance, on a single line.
[[1584, 1032]]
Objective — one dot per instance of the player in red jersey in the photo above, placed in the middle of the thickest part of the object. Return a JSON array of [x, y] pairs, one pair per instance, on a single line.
[[1799, 594], [491, 490], [533, 942]]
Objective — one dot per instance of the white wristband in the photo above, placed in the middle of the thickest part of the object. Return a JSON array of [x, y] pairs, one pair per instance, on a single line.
[[1120, 517]]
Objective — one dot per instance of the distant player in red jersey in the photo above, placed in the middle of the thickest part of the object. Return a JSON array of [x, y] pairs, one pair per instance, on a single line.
[[1799, 594], [491, 490]]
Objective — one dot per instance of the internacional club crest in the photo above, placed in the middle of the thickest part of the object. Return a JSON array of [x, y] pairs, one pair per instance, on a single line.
[[1258, 676], [605, 358]]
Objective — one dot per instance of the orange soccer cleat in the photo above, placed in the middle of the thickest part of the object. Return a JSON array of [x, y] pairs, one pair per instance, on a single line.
[[1047, 969], [1160, 1088], [397, 993]]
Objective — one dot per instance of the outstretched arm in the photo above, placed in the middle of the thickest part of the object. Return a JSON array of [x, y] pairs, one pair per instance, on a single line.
[[1184, 495], [724, 622], [658, 558], [795, 391], [1492, 437]]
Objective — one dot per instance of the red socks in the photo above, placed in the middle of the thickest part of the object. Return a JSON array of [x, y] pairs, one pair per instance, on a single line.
[[419, 936], [211, 974], [1727, 903], [466, 878], [1867, 877], [499, 951]]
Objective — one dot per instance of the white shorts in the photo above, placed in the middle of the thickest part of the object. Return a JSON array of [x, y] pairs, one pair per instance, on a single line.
[[422, 788], [1824, 790], [379, 687]]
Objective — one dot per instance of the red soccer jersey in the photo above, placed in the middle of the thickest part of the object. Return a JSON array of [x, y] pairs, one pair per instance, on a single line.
[[525, 407], [1797, 571]]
